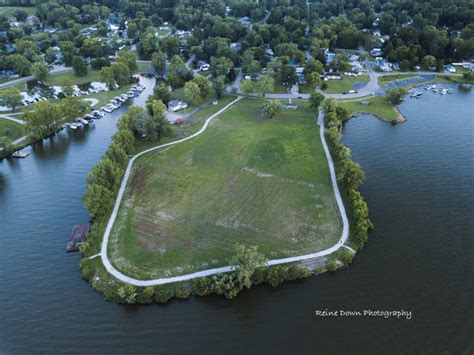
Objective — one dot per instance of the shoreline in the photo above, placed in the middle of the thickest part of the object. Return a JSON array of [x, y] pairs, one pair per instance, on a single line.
[[162, 281], [400, 117], [338, 256]]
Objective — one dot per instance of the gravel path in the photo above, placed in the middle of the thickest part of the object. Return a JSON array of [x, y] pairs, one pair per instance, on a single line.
[[161, 281]]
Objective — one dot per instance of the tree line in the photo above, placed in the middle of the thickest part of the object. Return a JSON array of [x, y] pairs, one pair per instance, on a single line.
[[349, 174]]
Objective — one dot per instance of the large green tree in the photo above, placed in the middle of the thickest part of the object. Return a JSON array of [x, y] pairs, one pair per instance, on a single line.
[[396, 95], [271, 108], [107, 76], [79, 65], [245, 262], [11, 97], [40, 71], [158, 61]]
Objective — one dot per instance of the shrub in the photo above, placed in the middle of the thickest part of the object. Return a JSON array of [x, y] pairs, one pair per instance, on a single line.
[[163, 294], [145, 295], [332, 266], [87, 270], [183, 292], [346, 258]]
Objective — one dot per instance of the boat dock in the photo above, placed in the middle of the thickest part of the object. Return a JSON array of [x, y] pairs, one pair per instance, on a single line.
[[20, 154], [77, 238]]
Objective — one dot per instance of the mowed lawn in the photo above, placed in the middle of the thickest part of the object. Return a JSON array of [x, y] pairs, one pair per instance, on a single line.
[[345, 83], [376, 105], [10, 130], [245, 180]]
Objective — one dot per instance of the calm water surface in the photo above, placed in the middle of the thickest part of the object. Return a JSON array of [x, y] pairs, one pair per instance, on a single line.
[[419, 186]]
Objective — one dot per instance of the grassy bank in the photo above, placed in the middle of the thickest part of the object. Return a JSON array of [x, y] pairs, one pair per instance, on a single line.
[[345, 83], [377, 106], [249, 180], [10, 130], [93, 271], [58, 79]]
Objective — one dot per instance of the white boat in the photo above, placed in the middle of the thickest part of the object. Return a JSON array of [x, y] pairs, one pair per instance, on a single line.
[[73, 126], [108, 109], [83, 121]]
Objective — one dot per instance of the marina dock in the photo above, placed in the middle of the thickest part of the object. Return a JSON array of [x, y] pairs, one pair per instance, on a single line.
[[77, 238]]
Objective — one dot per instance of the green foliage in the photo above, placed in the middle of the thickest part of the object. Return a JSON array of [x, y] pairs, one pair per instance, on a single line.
[[218, 86], [332, 266], [146, 295], [40, 71], [349, 173], [161, 92], [157, 126], [245, 261], [127, 294], [468, 76], [72, 108], [79, 65], [316, 99], [271, 108], [163, 294], [276, 275], [105, 174], [97, 199], [87, 270], [107, 76], [44, 119], [11, 97], [220, 66], [129, 59], [158, 61], [121, 73], [396, 95], [124, 138], [198, 89], [178, 74], [117, 155], [68, 49], [346, 257]]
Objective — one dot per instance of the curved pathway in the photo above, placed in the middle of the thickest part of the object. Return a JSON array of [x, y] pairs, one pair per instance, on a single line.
[[56, 70], [161, 281]]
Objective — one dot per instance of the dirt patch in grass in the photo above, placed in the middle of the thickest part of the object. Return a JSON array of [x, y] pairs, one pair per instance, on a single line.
[[139, 178]]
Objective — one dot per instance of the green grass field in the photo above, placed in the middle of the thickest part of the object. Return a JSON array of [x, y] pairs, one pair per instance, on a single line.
[[377, 106], [384, 80], [58, 79], [345, 83], [10, 130], [247, 179]]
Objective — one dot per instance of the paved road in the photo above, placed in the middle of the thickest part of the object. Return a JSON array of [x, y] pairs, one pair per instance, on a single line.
[[369, 89], [161, 281], [16, 120], [55, 70], [235, 87]]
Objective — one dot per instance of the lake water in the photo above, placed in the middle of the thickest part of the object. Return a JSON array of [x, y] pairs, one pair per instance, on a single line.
[[419, 186]]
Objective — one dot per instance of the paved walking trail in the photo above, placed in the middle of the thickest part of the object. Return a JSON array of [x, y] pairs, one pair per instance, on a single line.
[[161, 281], [56, 70]]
